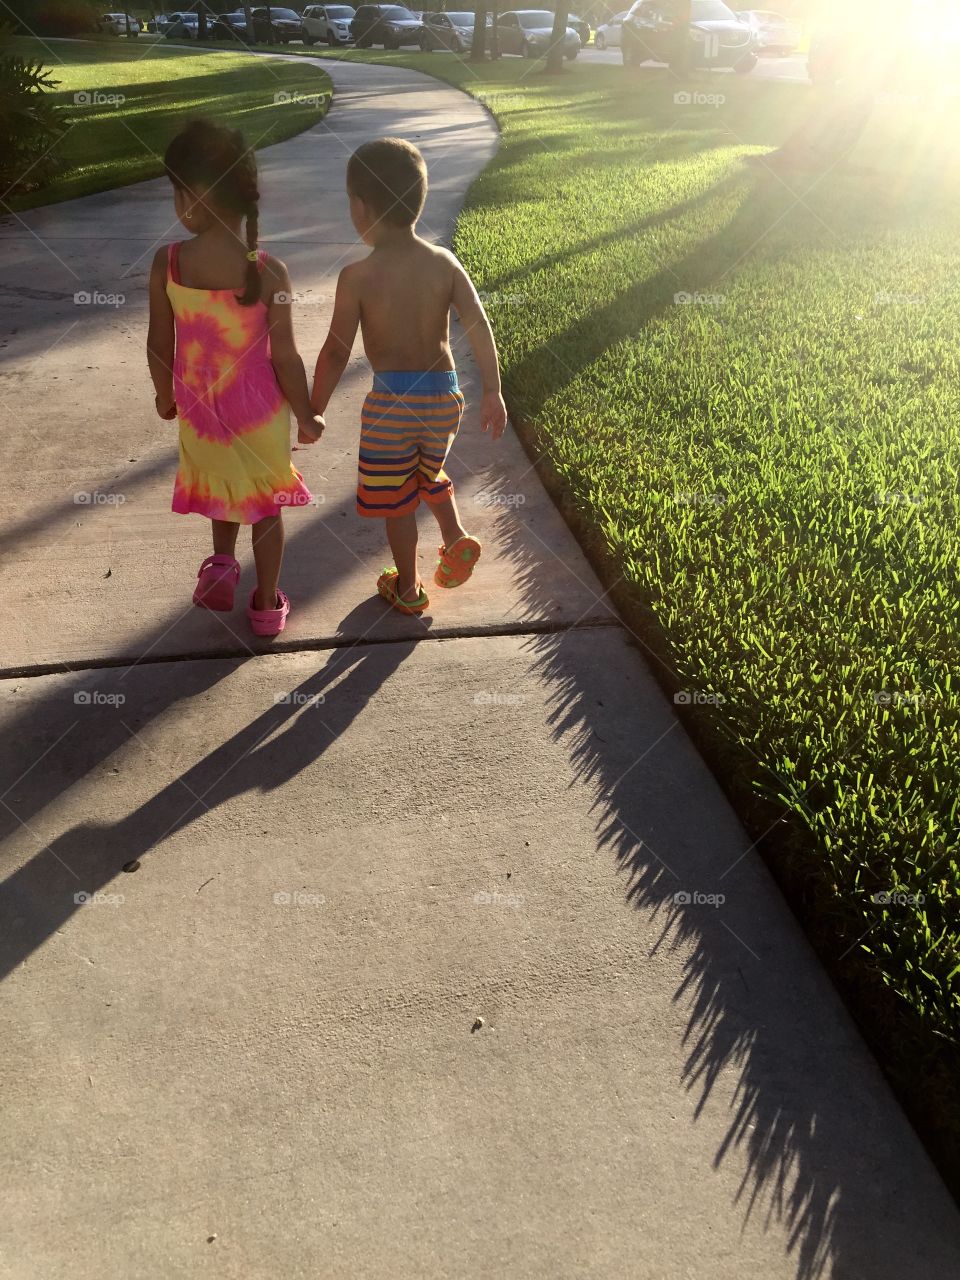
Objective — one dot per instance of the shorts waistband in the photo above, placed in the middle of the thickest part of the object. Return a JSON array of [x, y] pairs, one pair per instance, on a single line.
[[403, 381]]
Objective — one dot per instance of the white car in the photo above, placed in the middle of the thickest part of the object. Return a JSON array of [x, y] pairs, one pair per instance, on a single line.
[[118, 24], [179, 25], [330, 22], [777, 34], [608, 33]]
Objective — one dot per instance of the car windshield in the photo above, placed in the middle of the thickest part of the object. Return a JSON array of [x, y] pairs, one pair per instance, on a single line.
[[338, 11], [711, 11], [462, 19], [534, 18], [287, 14], [396, 13]]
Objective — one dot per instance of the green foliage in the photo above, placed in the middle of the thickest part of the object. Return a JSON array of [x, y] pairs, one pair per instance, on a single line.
[[29, 122]]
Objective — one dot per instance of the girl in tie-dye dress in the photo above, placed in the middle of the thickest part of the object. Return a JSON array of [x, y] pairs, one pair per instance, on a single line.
[[223, 360]]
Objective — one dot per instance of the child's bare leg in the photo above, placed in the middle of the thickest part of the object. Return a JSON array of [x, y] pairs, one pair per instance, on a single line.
[[268, 556], [448, 518], [225, 537], [402, 536]]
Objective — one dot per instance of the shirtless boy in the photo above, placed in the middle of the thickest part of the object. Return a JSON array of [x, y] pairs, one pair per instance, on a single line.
[[400, 296]]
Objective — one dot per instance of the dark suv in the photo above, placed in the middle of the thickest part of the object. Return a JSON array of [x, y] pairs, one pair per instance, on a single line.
[[653, 31], [388, 24]]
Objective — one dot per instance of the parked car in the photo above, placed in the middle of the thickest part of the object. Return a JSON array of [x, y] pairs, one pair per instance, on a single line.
[[448, 31], [287, 24], [653, 31], [581, 26], [528, 32], [229, 26], [180, 25], [391, 25], [330, 22], [775, 33], [607, 35], [118, 24]]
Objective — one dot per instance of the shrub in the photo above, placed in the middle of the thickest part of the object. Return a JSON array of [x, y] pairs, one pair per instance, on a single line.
[[59, 18], [29, 122]]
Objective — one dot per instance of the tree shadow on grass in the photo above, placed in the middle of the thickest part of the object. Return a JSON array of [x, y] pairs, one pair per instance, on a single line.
[[768, 1054]]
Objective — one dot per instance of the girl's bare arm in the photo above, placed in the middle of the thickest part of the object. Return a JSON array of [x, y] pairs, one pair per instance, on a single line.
[[278, 295], [161, 338], [335, 352]]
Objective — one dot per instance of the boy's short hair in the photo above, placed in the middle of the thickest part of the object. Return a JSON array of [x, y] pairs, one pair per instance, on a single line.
[[389, 175]]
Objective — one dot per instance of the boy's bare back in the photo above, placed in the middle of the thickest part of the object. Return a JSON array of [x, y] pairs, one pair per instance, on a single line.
[[403, 293]]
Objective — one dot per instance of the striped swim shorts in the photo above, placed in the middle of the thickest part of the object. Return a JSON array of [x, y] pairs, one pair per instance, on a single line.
[[407, 426]]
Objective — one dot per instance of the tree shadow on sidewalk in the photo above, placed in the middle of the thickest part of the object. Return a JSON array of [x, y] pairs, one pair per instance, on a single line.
[[39, 898], [768, 1054]]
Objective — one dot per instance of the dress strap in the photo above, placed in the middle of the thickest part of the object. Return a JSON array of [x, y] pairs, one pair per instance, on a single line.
[[173, 262]]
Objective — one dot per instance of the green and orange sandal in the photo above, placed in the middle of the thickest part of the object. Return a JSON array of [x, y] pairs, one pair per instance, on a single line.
[[387, 587], [456, 563]]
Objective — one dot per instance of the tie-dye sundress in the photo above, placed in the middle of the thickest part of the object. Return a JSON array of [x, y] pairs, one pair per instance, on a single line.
[[234, 421]]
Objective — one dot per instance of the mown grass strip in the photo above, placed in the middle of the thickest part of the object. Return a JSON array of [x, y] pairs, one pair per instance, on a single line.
[[126, 100]]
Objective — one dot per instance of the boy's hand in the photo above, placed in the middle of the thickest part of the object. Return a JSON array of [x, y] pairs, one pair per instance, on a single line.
[[166, 407], [493, 414], [309, 430]]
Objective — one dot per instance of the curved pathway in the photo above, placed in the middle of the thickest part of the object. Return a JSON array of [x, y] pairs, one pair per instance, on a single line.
[[445, 956]]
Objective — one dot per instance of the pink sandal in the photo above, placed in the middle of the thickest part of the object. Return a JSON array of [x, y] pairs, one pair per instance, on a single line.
[[268, 622], [217, 580]]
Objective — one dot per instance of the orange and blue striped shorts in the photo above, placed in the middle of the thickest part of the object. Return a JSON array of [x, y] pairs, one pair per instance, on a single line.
[[408, 423]]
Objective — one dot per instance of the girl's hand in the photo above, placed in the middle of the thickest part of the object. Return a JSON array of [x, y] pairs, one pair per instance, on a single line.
[[309, 430], [166, 407]]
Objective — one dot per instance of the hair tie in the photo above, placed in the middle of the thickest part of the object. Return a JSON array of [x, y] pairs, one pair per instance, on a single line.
[[253, 255]]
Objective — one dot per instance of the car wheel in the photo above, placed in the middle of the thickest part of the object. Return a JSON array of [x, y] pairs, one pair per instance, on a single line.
[[746, 65], [363, 43], [526, 50], [570, 56], [598, 41], [393, 44], [424, 46]]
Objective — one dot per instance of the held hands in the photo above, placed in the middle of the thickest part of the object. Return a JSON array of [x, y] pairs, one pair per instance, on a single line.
[[309, 430], [493, 414], [166, 407]]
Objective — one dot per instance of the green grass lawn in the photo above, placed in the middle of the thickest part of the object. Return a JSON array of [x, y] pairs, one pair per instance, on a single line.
[[138, 93], [771, 467]]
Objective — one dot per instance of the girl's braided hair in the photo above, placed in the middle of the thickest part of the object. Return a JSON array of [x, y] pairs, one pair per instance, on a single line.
[[208, 157]]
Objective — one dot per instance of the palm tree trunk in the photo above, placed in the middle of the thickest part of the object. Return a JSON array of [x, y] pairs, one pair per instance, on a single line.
[[555, 52], [478, 50]]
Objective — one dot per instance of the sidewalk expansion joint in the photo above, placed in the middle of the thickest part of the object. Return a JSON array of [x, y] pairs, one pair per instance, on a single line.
[[31, 670]]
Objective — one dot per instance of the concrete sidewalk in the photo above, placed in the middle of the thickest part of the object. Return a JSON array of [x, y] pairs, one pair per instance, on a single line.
[[461, 1025]]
